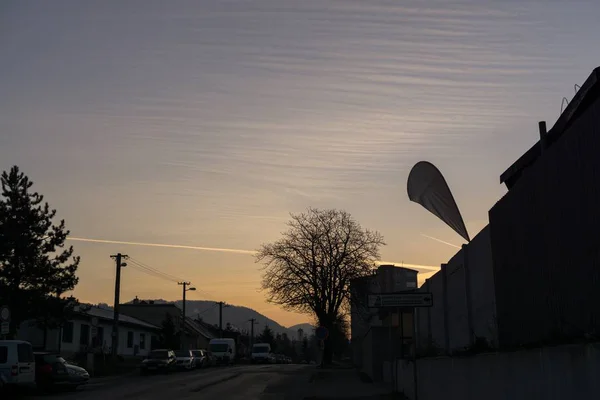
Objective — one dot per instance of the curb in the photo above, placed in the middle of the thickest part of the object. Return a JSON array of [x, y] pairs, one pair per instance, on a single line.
[[215, 382]]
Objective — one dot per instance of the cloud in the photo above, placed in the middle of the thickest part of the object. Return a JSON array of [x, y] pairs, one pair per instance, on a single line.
[[440, 240], [223, 250], [172, 246]]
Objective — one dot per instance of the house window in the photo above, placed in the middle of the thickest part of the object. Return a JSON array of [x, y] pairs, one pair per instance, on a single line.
[[67, 333], [129, 339], [142, 341], [84, 335]]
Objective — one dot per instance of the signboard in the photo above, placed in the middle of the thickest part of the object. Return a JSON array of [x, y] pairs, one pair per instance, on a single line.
[[321, 333], [94, 331], [413, 299], [94, 321], [4, 314], [4, 328]]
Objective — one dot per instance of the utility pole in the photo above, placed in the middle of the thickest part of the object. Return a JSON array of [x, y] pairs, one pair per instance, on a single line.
[[221, 304], [115, 333], [253, 321], [185, 289]]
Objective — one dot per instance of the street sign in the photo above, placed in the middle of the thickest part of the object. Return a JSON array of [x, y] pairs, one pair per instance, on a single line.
[[4, 314], [321, 333], [4, 328], [413, 299]]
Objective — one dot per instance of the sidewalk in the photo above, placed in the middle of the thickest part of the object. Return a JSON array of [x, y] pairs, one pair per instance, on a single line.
[[345, 384]]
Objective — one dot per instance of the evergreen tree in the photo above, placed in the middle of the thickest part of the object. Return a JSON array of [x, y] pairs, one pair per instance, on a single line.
[[35, 266], [267, 336], [305, 352], [170, 336]]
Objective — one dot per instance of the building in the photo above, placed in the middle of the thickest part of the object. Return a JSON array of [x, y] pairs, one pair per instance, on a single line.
[[79, 335], [545, 231], [196, 335], [379, 337]]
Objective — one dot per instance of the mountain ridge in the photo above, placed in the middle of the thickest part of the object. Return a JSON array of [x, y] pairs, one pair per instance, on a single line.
[[237, 316]]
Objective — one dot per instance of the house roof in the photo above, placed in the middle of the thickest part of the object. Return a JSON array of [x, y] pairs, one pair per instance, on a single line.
[[106, 314], [206, 330], [586, 95]]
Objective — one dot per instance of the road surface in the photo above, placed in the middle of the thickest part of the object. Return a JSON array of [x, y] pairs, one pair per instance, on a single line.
[[249, 382]]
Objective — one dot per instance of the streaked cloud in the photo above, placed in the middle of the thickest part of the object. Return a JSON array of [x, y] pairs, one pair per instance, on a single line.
[[440, 241], [171, 246], [208, 122]]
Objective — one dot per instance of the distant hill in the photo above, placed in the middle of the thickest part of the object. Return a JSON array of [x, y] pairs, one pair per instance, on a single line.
[[238, 316], [307, 328]]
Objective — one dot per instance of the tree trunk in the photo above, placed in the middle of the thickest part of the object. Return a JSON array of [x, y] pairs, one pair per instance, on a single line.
[[328, 353]]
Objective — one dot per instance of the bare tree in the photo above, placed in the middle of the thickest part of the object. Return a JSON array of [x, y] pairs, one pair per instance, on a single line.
[[310, 268]]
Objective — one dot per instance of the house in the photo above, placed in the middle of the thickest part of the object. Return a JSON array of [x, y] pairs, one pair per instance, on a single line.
[[90, 330], [196, 336]]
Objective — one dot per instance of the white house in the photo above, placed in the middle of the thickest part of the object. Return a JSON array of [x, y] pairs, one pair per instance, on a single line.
[[136, 337]]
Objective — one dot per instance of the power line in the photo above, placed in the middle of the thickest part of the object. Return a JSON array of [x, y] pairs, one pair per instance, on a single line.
[[149, 272], [140, 267], [208, 309], [155, 270]]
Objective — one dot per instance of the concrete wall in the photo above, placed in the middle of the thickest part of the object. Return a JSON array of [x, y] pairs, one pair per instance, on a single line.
[[564, 372], [449, 289]]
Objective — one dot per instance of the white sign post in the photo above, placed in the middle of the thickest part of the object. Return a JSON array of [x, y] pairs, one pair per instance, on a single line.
[[411, 299]]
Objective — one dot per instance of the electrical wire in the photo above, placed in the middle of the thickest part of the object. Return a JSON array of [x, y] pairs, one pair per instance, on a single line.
[[147, 267]]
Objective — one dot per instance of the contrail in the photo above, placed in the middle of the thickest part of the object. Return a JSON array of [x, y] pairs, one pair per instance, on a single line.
[[222, 250], [172, 246], [439, 240]]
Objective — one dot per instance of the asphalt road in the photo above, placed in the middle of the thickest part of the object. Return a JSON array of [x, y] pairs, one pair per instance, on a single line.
[[249, 382]]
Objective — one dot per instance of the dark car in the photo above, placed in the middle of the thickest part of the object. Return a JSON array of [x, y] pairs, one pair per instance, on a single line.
[[211, 360], [161, 360], [52, 371], [201, 358]]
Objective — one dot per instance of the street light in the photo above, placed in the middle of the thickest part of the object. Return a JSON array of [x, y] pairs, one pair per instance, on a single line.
[[185, 289]]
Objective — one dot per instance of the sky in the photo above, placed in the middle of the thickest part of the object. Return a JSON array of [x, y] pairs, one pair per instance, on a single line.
[[205, 123]]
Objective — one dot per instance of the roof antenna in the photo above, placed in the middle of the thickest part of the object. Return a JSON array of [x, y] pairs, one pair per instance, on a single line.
[[562, 105]]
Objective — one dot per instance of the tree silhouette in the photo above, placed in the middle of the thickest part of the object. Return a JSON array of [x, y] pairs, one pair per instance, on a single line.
[[35, 266], [310, 268], [267, 336], [169, 337]]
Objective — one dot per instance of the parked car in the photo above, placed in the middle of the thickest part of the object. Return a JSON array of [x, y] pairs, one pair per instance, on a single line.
[[260, 353], [224, 350], [185, 359], [17, 364], [161, 360], [52, 371], [211, 360], [201, 358]]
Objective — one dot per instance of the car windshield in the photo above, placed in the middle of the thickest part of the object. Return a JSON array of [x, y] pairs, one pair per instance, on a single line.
[[54, 359], [182, 353], [260, 349], [197, 353], [219, 347], [158, 354]]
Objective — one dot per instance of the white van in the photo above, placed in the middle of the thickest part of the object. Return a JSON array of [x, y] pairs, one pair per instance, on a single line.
[[261, 353], [17, 364], [223, 350]]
